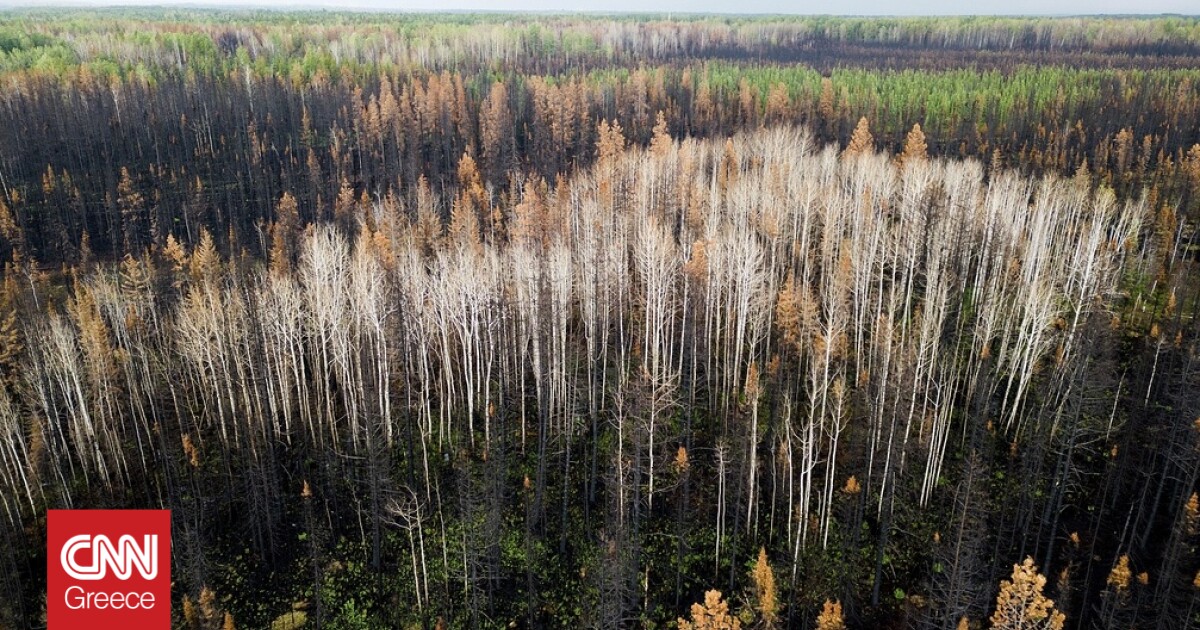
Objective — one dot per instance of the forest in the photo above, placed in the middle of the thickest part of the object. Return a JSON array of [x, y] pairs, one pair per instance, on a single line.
[[564, 321]]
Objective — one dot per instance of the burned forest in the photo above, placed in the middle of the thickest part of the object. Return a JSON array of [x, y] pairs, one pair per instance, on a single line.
[[569, 321]]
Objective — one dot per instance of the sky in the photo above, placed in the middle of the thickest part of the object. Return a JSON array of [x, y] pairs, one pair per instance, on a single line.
[[838, 7]]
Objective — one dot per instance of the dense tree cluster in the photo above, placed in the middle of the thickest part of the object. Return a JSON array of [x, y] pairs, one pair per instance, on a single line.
[[763, 338]]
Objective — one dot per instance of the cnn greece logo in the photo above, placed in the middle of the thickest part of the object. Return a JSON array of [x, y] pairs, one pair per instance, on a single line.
[[121, 557], [108, 569]]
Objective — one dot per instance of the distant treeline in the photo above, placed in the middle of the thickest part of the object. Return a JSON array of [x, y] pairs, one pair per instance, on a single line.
[[51, 40]]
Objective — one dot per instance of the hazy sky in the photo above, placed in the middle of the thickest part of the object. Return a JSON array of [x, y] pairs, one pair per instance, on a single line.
[[839, 7]]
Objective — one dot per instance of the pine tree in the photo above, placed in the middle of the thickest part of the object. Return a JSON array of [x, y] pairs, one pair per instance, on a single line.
[[283, 233], [730, 167], [343, 206], [1020, 605], [10, 233], [713, 614], [764, 589], [191, 618], [137, 281], [1119, 577], [10, 333], [660, 143], [469, 209], [1191, 514], [1083, 175], [133, 208], [190, 451], [915, 149], [825, 104], [778, 104], [85, 250], [205, 262], [788, 317], [681, 463], [208, 606], [831, 617], [173, 251], [496, 134], [861, 141], [610, 142], [464, 224], [469, 179]]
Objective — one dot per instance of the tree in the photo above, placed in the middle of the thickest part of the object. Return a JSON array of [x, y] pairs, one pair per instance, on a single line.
[[205, 263], [1021, 605], [344, 207], [610, 142], [284, 231], [469, 208], [1116, 611], [175, 254], [11, 236], [826, 102], [132, 206], [661, 141], [764, 589], [11, 346], [713, 614], [657, 261], [831, 617], [914, 147], [496, 134], [191, 618], [778, 104], [1119, 577], [861, 141]]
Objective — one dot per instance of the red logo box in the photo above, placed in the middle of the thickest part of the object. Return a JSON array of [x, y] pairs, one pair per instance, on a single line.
[[108, 569]]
